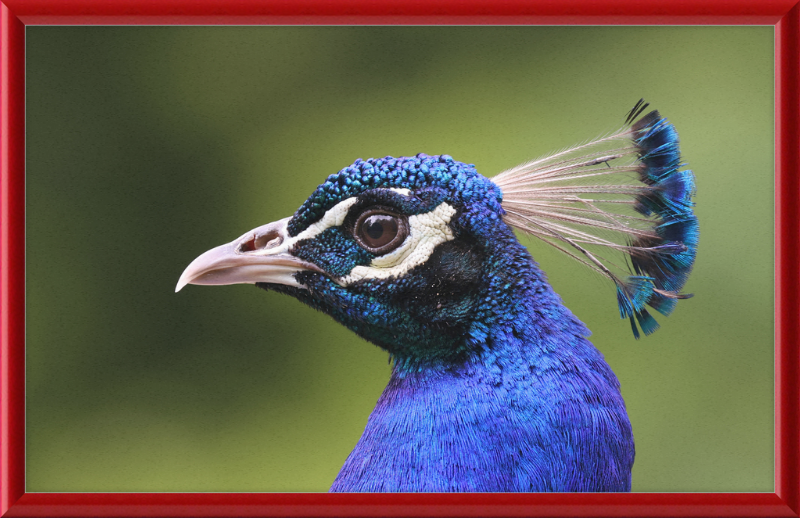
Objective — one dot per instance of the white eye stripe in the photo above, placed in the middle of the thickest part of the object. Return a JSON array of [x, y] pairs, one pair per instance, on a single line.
[[334, 217], [426, 232]]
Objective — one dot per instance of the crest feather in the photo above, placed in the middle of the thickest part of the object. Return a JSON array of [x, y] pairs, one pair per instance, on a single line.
[[624, 192]]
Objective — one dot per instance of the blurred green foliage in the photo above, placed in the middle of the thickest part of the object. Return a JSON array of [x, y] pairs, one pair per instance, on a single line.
[[149, 145]]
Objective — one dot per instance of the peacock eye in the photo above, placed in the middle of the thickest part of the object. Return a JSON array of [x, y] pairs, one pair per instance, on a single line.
[[379, 231]]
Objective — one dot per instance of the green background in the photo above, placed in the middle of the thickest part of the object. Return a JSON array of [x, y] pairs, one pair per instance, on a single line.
[[147, 146]]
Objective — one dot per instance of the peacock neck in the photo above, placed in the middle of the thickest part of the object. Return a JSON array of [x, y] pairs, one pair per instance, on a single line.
[[532, 407]]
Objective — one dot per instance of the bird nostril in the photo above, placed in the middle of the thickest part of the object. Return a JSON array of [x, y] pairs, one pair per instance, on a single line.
[[256, 242], [248, 246]]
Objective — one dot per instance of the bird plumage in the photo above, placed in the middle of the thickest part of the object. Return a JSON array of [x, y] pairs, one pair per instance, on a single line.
[[494, 385]]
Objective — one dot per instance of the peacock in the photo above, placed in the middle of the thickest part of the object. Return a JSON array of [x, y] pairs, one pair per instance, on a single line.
[[494, 385]]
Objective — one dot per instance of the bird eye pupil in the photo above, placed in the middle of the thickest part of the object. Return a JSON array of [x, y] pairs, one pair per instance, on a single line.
[[380, 232], [374, 229], [378, 227]]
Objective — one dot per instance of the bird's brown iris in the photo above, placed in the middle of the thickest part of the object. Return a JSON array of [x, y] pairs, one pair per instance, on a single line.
[[380, 231]]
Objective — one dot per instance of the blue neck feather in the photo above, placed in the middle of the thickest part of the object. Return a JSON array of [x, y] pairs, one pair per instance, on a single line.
[[534, 407]]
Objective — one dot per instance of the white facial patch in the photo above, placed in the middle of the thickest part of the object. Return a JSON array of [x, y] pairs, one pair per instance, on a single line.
[[426, 232], [334, 217]]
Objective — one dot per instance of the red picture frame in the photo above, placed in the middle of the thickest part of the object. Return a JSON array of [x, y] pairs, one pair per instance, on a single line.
[[16, 14]]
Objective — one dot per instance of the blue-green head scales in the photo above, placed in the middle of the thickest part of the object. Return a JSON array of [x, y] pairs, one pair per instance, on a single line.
[[494, 385]]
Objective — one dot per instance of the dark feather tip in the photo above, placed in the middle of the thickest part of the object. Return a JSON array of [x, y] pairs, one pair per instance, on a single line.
[[637, 110]]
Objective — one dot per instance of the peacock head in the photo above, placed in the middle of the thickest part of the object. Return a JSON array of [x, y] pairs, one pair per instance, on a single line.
[[396, 249], [417, 254]]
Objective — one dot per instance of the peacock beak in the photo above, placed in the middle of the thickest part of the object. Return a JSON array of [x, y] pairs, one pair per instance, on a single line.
[[260, 255]]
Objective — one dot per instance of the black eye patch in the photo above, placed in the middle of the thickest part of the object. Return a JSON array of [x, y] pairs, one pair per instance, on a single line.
[[334, 250]]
